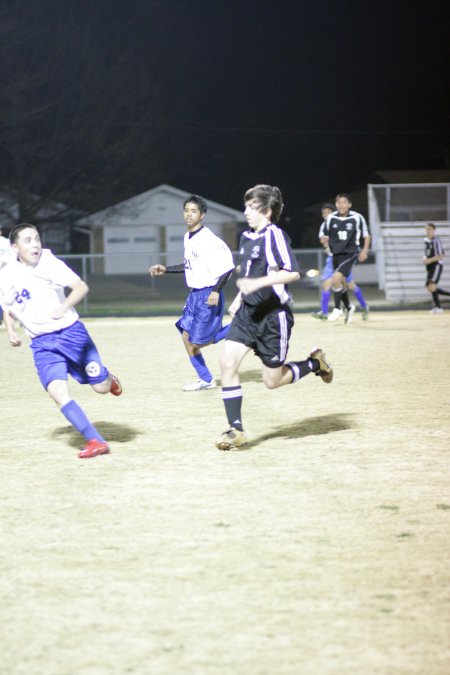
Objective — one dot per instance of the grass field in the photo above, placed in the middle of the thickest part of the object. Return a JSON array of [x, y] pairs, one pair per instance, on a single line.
[[322, 549]]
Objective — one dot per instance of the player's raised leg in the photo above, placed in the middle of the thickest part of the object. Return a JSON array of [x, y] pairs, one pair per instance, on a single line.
[[293, 371]]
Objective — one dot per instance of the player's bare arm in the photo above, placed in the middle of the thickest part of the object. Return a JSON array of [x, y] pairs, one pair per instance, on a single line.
[[237, 302], [429, 261], [157, 270], [365, 251], [14, 339], [247, 285], [78, 291]]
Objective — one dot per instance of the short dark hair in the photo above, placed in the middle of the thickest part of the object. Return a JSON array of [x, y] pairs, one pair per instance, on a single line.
[[431, 225], [202, 205], [344, 195], [328, 206], [269, 197], [17, 229]]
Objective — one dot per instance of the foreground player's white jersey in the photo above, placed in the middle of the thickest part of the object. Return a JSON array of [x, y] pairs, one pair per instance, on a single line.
[[206, 258], [33, 293]]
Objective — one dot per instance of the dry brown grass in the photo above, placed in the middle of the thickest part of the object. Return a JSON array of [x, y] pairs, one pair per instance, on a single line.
[[322, 549]]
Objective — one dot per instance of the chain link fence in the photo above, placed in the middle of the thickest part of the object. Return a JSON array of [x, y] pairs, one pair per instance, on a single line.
[[142, 294]]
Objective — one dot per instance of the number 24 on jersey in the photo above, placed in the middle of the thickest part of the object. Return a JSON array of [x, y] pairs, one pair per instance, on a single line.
[[18, 297]]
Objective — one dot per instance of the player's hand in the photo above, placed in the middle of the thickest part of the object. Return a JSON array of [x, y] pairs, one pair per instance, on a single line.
[[213, 299], [14, 339], [59, 312], [247, 286], [362, 256], [425, 260], [157, 270]]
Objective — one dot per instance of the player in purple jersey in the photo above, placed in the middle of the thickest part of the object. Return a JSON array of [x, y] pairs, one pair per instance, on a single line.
[[32, 290], [433, 261], [263, 317]]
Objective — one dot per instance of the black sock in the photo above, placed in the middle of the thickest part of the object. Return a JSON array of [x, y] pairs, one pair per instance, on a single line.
[[435, 295], [441, 291], [302, 368], [337, 299], [345, 300], [232, 400]]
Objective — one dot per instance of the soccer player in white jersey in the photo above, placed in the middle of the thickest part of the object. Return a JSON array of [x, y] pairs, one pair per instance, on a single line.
[[32, 291], [263, 318], [208, 264]]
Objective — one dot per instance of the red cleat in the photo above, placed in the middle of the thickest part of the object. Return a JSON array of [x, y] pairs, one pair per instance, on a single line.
[[116, 387], [94, 448]]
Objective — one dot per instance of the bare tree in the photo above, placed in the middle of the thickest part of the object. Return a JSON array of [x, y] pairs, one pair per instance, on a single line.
[[78, 121]]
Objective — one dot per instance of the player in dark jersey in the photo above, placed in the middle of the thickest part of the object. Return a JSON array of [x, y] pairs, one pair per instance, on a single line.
[[263, 318], [433, 261], [344, 230], [327, 277]]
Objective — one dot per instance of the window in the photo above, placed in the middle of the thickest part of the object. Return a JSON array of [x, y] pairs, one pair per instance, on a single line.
[[119, 240]]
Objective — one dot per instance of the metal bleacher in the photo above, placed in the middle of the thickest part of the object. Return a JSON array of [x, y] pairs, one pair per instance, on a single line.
[[398, 214], [402, 247]]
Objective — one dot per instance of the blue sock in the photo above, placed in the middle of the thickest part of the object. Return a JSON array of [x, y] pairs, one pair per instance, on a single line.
[[325, 301], [222, 333], [75, 415], [358, 293], [201, 368]]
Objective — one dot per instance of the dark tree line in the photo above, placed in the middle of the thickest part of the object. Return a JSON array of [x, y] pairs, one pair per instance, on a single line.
[[79, 124]]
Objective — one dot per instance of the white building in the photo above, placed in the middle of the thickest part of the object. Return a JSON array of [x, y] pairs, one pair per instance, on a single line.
[[150, 228]]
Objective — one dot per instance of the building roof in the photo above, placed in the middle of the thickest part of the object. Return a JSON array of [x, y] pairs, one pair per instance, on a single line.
[[413, 176], [160, 205]]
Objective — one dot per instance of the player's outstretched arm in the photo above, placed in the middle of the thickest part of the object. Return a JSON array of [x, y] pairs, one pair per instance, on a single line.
[[157, 270], [249, 285], [14, 339]]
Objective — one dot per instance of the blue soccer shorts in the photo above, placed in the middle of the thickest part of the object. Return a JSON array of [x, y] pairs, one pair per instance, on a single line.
[[201, 321], [70, 351]]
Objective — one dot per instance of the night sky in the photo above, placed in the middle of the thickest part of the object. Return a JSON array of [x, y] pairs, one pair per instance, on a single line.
[[215, 96]]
